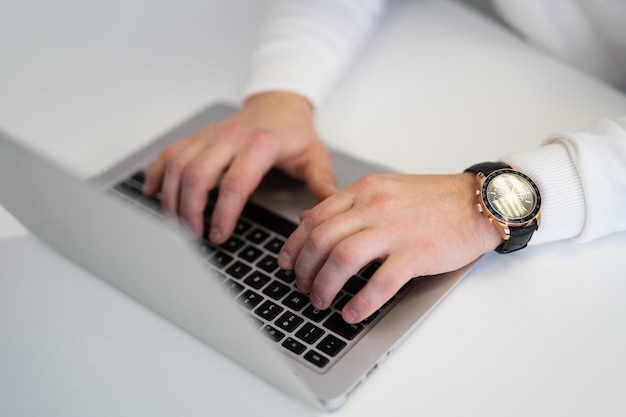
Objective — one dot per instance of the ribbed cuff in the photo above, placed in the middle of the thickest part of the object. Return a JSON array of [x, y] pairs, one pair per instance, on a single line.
[[563, 209]]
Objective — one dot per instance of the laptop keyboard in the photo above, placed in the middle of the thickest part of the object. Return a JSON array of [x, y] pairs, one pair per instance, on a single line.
[[247, 267]]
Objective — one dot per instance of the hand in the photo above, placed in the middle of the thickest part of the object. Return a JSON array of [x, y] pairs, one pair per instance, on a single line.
[[415, 224], [271, 129]]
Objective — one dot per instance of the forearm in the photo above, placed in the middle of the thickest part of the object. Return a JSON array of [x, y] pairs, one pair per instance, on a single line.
[[582, 177], [306, 45]]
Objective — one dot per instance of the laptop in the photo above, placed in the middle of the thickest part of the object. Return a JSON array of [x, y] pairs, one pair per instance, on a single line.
[[233, 297]]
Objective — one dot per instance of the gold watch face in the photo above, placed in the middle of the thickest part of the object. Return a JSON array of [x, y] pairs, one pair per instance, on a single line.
[[511, 196]]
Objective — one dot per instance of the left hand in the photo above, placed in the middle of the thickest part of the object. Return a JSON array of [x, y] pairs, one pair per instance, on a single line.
[[414, 224]]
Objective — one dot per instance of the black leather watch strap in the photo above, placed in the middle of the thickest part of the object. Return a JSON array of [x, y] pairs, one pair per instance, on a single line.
[[519, 236], [486, 167]]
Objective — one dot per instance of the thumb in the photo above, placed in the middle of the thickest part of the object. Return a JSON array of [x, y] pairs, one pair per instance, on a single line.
[[320, 174]]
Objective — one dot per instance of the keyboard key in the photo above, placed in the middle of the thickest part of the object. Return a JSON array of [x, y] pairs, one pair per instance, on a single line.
[[268, 263], [269, 310], [249, 299], [274, 245], [276, 290], [336, 324], [294, 346], [309, 333], [316, 359], [129, 190], [272, 333], [296, 300], [232, 245], [342, 302], [289, 321], [250, 254], [238, 270], [354, 285], [286, 275], [369, 270], [220, 259], [257, 236], [139, 177], [241, 227], [331, 345], [315, 314], [257, 280]]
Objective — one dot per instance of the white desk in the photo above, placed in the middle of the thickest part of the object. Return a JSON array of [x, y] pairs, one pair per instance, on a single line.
[[535, 333]]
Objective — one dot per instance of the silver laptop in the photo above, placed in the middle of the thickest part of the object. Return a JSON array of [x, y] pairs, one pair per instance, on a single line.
[[234, 297]]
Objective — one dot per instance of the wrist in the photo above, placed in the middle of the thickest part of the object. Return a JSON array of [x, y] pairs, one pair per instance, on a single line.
[[487, 234], [284, 99]]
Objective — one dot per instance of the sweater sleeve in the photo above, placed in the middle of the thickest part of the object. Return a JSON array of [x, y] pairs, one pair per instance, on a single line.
[[305, 45], [582, 179]]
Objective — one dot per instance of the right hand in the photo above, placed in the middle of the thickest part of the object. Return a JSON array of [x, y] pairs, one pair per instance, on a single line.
[[270, 130]]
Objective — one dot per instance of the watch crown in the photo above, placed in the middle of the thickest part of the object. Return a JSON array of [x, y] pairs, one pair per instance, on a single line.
[[479, 207]]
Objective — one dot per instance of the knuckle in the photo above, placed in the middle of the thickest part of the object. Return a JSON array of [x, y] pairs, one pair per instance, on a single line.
[[168, 152], [313, 217], [369, 180], [230, 185], [343, 256], [228, 128], [384, 285], [258, 139], [318, 240], [192, 177]]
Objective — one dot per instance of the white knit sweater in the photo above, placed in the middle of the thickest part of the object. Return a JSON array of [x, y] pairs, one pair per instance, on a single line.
[[307, 45]]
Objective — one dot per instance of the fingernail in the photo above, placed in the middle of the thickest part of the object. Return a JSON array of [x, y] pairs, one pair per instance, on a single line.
[[349, 315], [215, 235], [284, 259]]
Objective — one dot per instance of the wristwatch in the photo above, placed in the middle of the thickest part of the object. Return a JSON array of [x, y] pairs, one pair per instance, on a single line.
[[510, 200]]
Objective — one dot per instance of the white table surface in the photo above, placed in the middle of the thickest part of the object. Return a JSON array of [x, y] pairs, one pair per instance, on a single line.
[[540, 332]]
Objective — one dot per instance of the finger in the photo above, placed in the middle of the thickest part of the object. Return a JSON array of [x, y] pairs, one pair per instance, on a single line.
[[156, 169], [320, 174], [346, 259], [394, 272], [336, 204], [244, 175], [176, 164], [322, 241], [201, 175]]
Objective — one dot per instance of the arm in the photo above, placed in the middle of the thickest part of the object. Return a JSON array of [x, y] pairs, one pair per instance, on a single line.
[[305, 47], [424, 225]]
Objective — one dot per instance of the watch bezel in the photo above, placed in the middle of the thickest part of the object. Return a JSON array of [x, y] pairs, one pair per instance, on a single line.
[[517, 222]]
